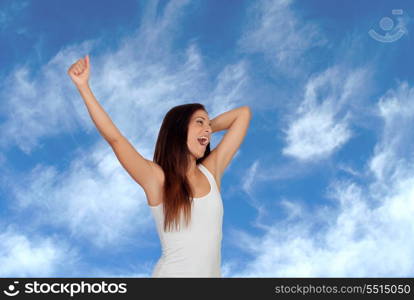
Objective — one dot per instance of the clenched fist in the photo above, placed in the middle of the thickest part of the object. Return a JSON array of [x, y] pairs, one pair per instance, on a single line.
[[79, 71]]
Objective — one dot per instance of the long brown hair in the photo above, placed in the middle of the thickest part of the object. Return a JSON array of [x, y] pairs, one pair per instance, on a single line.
[[171, 154]]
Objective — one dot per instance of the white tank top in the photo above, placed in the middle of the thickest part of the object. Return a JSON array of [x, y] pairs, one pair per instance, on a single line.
[[193, 251]]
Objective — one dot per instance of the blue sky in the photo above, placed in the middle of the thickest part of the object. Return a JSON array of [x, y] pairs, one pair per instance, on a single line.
[[322, 186]]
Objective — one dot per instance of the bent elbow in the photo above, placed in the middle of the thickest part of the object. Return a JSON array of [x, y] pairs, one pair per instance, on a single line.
[[248, 110]]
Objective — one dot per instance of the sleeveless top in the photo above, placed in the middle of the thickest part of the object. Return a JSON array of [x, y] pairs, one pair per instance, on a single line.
[[193, 251]]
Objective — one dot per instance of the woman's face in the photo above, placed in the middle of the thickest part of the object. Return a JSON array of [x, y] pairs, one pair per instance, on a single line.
[[199, 133]]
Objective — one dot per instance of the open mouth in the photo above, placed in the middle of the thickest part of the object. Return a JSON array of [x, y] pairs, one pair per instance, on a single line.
[[203, 140]]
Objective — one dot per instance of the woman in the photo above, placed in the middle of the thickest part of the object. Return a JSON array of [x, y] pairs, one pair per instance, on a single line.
[[182, 181]]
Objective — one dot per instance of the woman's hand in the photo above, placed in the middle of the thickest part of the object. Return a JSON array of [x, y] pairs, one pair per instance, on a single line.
[[79, 71]]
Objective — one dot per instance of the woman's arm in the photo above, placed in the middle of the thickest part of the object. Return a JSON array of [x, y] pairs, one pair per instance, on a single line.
[[145, 172], [100, 118], [224, 120], [79, 73], [237, 122]]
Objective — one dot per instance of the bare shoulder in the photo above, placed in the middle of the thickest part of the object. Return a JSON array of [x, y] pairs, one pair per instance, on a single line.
[[210, 163], [155, 190]]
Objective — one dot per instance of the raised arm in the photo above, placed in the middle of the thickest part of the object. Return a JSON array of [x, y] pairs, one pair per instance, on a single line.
[[145, 172], [236, 122], [79, 73]]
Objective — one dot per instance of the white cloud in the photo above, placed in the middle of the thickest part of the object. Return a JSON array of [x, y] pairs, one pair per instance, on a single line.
[[230, 88], [33, 255], [249, 176], [75, 201], [293, 209], [397, 110], [315, 134], [320, 125], [275, 30], [366, 231], [348, 169]]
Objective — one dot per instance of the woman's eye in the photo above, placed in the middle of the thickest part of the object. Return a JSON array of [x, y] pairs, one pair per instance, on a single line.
[[200, 121]]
